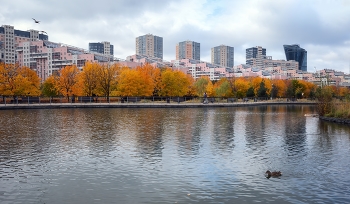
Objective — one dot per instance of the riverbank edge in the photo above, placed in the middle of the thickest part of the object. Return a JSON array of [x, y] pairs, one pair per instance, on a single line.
[[335, 120], [143, 105]]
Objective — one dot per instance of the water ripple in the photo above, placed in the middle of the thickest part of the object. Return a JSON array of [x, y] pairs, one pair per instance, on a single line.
[[214, 155]]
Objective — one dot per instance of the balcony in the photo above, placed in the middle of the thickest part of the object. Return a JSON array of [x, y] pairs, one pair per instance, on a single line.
[[61, 62], [41, 55]]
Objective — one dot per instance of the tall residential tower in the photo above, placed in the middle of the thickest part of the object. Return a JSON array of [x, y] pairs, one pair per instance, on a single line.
[[149, 45], [295, 52], [188, 50], [222, 55], [255, 56]]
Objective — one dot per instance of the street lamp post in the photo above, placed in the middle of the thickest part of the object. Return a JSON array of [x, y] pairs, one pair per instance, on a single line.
[[272, 92]]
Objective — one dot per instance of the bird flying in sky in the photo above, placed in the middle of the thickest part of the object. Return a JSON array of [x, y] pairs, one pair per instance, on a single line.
[[35, 20]]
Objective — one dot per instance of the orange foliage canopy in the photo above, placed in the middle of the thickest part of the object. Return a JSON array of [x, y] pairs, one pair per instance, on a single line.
[[280, 86], [88, 79], [18, 81], [241, 86], [174, 83], [135, 83], [154, 73], [67, 81]]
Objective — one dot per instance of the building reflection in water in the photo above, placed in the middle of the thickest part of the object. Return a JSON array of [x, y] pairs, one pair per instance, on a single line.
[[223, 130]]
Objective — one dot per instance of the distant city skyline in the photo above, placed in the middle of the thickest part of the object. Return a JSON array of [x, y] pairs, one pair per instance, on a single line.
[[319, 28], [150, 45], [33, 50]]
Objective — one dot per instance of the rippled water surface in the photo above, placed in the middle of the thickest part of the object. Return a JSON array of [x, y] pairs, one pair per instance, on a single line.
[[189, 155]]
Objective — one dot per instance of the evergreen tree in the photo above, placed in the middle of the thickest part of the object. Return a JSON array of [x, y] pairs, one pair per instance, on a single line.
[[250, 92], [262, 90]]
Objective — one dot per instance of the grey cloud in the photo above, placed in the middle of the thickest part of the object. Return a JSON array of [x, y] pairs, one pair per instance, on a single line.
[[319, 28]]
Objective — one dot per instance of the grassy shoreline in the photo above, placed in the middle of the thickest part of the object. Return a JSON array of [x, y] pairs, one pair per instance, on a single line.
[[339, 110]]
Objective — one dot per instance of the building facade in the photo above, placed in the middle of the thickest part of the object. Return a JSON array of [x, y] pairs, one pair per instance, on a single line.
[[222, 55], [295, 52], [102, 47], [188, 50], [198, 69], [291, 64], [47, 57], [255, 56], [10, 39], [149, 45]]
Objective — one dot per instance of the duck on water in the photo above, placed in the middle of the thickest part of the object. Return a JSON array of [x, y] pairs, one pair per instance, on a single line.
[[275, 174]]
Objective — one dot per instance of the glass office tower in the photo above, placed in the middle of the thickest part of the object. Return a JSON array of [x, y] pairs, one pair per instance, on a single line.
[[295, 52]]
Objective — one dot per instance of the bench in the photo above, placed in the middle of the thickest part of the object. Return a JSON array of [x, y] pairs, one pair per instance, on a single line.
[[178, 99], [130, 99], [211, 100], [16, 101], [231, 100], [30, 99], [85, 99]]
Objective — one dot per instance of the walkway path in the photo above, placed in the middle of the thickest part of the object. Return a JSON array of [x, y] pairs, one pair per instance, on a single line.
[[143, 105]]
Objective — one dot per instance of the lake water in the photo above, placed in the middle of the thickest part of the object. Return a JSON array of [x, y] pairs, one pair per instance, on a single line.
[[185, 155]]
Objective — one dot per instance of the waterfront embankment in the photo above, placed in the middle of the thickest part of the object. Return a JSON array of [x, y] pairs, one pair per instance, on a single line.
[[143, 105]]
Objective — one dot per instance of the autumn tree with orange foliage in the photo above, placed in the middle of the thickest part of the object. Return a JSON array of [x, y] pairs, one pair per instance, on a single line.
[[154, 73], [210, 89], [241, 86], [174, 83], [308, 89], [135, 82], [88, 79], [268, 86], [343, 91], [191, 88], [27, 83], [279, 87], [255, 83], [8, 74], [334, 90], [67, 81], [107, 79], [339, 91], [18, 81]]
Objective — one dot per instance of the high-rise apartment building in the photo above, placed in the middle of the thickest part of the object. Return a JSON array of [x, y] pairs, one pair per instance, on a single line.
[[149, 45], [188, 50], [10, 39], [102, 47], [295, 52], [255, 56], [222, 55]]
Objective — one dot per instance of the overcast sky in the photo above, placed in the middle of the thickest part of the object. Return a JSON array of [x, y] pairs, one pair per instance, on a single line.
[[322, 27]]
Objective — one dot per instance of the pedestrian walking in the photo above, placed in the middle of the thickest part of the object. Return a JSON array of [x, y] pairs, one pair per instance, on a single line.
[[205, 99]]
